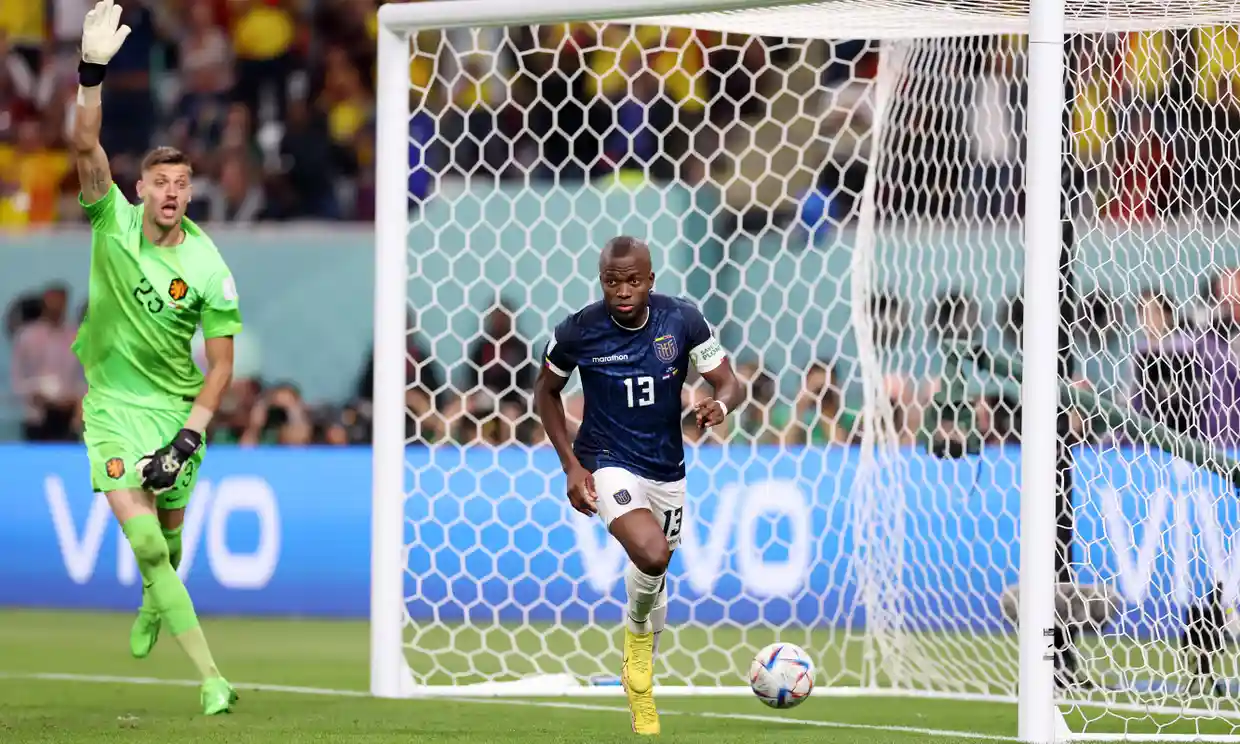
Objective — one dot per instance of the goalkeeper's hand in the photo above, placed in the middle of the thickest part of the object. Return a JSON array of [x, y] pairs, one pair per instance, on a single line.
[[161, 468], [102, 33]]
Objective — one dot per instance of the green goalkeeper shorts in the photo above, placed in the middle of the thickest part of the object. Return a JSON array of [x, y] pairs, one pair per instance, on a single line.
[[116, 438]]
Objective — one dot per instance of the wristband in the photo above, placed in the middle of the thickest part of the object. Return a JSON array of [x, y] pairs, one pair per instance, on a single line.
[[724, 407], [187, 442], [91, 74]]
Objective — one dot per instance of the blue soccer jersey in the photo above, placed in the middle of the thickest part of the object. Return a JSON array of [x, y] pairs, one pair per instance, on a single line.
[[631, 379]]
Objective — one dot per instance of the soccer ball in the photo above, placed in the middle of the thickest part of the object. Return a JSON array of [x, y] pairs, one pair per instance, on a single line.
[[782, 675]]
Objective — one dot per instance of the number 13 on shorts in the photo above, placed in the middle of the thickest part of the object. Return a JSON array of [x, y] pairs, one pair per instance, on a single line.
[[620, 492]]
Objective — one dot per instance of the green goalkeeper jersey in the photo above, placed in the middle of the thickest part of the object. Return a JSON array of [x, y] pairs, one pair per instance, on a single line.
[[146, 302]]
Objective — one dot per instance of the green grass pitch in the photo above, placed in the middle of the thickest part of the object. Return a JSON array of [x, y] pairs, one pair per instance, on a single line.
[[67, 677]]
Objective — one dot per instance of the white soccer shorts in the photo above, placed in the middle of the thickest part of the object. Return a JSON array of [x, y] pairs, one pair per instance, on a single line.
[[620, 492]]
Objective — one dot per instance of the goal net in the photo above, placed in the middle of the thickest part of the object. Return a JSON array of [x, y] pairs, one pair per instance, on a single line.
[[841, 187]]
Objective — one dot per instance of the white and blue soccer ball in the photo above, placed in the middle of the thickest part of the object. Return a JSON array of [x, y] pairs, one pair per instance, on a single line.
[[782, 675]]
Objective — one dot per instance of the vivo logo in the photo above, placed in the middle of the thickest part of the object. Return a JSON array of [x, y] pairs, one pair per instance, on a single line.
[[741, 512], [1167, 531], [206, 527]]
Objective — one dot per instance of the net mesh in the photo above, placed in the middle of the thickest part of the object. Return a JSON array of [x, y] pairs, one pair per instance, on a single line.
[[847, 214]]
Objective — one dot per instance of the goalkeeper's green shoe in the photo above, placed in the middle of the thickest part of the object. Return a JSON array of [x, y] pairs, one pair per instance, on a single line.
[[144, 633], [217, 696]]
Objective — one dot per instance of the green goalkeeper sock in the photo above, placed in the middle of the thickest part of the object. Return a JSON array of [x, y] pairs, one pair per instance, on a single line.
[[167, 592], [172, 536]]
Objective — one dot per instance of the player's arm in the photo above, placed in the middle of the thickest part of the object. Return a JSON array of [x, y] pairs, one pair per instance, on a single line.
[[712, 363], [729, 395], [559, 361], [221, 321], [549, 405], [218, 378], [557, 367], [102, 36], [94, 174]]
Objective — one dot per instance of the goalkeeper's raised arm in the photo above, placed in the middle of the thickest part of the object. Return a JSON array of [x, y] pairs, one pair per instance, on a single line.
[[102, 36]]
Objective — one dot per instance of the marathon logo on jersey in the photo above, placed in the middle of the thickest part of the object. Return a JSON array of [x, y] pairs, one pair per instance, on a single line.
[[623, 497], [115, 468], [665, 348], [610, 359], [178, 289]]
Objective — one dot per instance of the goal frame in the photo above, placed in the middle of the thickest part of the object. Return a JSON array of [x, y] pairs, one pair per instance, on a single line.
[[1038, 717]]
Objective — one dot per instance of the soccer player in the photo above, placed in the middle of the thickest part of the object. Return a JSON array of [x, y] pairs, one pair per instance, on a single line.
[[154, 278], [627, 463]]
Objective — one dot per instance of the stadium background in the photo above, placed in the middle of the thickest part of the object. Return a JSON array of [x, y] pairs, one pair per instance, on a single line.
[[273, 100]]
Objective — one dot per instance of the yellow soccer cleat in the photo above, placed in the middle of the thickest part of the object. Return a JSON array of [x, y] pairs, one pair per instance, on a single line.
[[637, 676]]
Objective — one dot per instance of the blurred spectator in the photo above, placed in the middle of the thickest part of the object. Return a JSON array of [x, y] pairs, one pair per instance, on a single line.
[[32, 180], [24, 23], [1011, 318], [206, 66], [996, 123], [754, 421], [1142, 172], [1192, 384], [1098, 317], [1218, 142], [1157, 318], [1225, 301], [997, 418], [420, 370], [343, 427], [430, 408], [499, 361], [307, 163], [45, 374], [474, 126], [280, 416], [24, 309], [237, 195], [349, 24], [263, 33], [129, 116], [67, 17], [819, 414], [26, 77], [890, 319], [954, 316], [347, 104]]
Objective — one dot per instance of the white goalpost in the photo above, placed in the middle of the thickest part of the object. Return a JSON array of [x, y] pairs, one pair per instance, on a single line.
[[942, 516]]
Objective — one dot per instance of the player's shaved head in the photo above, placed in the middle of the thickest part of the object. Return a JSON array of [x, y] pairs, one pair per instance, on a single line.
[[624, 247], [626, 273]]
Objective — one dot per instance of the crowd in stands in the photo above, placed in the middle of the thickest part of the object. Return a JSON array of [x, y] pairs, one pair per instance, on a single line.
[[1183, 372], [274, 101]]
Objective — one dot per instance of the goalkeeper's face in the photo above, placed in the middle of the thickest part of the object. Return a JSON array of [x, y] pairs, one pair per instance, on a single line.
[[165, 191]]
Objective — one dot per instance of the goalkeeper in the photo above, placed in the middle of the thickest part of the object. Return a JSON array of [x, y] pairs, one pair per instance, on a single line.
[[154, 278]]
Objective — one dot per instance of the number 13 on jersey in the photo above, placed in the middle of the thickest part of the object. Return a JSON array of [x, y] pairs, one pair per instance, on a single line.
[[640, 390]]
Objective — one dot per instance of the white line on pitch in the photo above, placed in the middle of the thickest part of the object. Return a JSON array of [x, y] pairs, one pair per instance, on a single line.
[[294, 690]]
